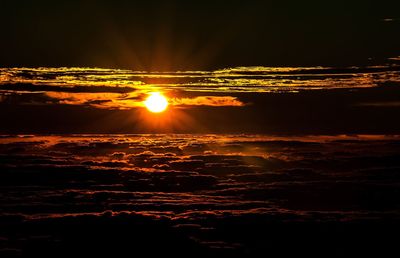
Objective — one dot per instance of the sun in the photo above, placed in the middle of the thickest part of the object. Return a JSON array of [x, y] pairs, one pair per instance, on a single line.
[[156, 102]]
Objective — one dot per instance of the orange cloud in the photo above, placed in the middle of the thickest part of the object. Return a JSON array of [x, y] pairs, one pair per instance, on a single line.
[[216, 101], [98, 100], [125, 101]]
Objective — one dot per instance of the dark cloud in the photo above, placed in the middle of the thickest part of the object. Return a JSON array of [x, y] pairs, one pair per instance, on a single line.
[[244, 192], [381, 104], [369, 110]]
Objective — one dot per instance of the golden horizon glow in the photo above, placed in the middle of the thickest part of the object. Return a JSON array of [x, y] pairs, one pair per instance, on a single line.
[[156, 102]]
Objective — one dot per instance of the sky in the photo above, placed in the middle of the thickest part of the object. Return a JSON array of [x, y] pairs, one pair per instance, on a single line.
[[305, 67], [197, 35]]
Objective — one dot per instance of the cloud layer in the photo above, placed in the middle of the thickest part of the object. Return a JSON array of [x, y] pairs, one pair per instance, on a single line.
[[124, 89], [217, 194]]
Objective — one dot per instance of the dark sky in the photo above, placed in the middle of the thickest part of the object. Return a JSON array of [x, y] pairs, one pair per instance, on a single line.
[[185, 35], [182, 35]]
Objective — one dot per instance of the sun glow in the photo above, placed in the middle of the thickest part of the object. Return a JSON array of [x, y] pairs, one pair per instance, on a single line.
[[156, 102]]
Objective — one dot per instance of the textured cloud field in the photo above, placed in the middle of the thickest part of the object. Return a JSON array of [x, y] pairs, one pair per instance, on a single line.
[[254, 100], [222, 195], [125, 89]]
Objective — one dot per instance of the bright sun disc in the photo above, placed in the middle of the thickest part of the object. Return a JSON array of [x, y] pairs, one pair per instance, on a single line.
[[156, 102]]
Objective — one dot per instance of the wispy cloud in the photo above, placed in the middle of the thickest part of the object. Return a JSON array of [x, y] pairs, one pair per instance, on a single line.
[[240, 79], [380, 104], [390, 20], [99, 100], [397, 58], [124, 89], [216, 101], [133, 100]]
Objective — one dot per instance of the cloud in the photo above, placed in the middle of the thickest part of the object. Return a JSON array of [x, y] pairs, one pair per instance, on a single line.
[[380, 104], [397, 58], [228, 81], [125, 101], [390, 20], [99, 100], [214, 101], [118, 155], [62, 190]]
